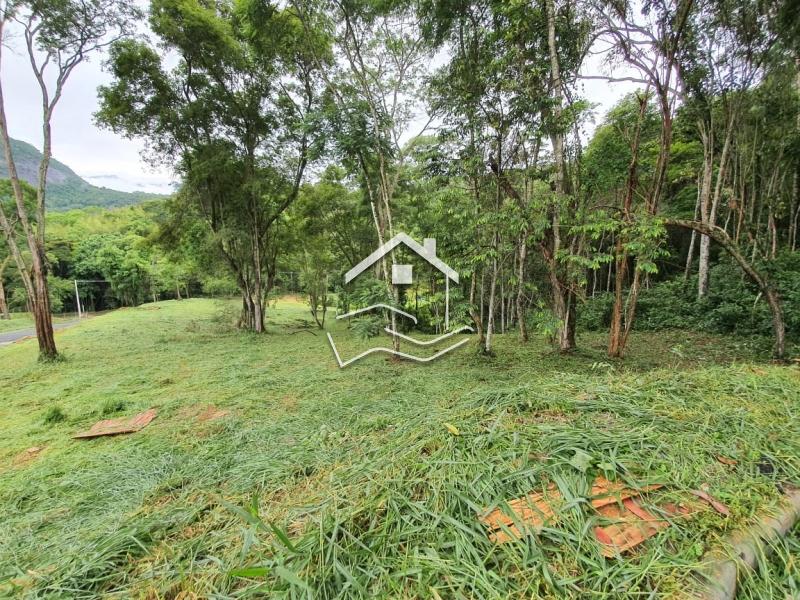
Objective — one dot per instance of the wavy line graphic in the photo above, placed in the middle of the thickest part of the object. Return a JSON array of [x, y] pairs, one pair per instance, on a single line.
[[343, 364], [386, 306], [408, 338]]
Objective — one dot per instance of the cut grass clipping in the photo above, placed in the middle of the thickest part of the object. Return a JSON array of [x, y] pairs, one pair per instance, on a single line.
[[370, 481]]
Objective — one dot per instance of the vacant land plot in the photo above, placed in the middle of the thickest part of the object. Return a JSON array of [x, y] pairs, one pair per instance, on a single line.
[[305, 480]]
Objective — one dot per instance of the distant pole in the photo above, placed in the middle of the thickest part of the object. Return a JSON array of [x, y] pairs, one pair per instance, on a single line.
[[77, 299], [446, 302]]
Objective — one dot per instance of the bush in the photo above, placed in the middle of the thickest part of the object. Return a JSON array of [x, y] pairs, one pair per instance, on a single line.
[[367, 327], [112, 406], [733, 304], [54, 415]]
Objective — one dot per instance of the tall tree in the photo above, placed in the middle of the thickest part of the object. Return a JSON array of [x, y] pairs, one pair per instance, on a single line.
[[373, 97], [653, 41], [59, 35], [237, 114]]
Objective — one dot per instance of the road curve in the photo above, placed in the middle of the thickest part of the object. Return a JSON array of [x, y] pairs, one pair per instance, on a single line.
[[12, 336]]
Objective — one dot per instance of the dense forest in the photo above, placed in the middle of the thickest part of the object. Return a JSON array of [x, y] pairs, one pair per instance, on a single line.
[[306, 134]]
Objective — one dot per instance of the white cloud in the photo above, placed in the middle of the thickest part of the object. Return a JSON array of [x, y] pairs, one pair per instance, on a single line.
[[77, 142]]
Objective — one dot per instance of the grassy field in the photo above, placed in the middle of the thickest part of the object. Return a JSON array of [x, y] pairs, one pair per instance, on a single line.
[[24, 321], [368, 481]]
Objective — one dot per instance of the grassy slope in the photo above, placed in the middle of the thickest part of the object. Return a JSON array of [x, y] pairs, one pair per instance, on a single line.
[[357, 467], [23, 321]]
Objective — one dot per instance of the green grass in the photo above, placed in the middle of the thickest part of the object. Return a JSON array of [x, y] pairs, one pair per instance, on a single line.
[[348, 483], [24, 321], [777, 575]]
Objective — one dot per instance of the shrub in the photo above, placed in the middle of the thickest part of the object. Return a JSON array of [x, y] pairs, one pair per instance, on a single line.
[[112, 406], [733, 303], [54, 415]]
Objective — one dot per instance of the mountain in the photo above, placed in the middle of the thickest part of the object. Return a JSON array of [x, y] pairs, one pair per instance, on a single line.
[[65, 189]]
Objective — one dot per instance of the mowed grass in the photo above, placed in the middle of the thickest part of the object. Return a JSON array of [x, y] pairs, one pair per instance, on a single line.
[[368, 481], [24, 321]]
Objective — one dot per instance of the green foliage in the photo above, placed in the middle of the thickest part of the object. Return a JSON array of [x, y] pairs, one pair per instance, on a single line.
[[733, 304], [367, 327], [112, 406], [54, 414]]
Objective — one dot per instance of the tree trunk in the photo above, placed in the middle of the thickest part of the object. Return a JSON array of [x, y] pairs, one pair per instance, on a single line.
[[523, 253], [476, 316], [487, 346], [773, 299], [563, 300], [616, 338], [687, 271], [35, 283], [708, 211], [4, 314], [41, 315]]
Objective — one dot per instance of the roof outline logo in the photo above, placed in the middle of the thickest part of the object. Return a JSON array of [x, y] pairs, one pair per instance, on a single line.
[[403, 275]]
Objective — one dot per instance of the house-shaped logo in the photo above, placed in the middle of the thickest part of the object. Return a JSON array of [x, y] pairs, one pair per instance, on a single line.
[[403, 274]]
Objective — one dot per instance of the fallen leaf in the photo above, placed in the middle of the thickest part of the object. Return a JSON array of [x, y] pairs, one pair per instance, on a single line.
[[452, 429], [715, 504]]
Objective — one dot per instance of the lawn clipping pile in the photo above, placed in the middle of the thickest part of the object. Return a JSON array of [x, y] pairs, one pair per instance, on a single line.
[[269, 471]]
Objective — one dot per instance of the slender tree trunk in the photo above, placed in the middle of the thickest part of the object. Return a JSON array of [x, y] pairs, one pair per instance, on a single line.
[[4, 314], [687, 271], [487, 346], [764, 285], [616, 338], [523, 253], [477, 318], [709, 208], [563, 301], [35, 283], [502, 305]]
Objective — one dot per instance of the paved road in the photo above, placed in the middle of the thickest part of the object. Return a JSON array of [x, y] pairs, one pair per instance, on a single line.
[[12, 336]]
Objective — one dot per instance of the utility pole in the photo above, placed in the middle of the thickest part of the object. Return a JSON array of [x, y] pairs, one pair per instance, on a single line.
[[78, 300]]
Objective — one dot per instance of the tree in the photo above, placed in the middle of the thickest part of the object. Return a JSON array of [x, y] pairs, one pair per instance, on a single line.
[[371, 100], [237, 114], [654, 43], [59, 35]]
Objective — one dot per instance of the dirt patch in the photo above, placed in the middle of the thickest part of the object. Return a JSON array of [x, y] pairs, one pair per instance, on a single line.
[[26, 456], [203, 413], [545, 416], [289, 402], [211, 413]]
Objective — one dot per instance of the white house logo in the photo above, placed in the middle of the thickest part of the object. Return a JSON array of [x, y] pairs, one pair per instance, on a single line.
[[403, 275]]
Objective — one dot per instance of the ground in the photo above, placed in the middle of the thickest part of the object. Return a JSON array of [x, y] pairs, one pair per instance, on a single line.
[[23, 321], [368, 481]]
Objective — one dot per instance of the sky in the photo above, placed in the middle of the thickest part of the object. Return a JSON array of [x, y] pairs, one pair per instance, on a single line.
[[107, 159]]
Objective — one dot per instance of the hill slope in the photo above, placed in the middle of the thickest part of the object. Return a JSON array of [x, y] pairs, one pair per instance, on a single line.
[[65, 189]]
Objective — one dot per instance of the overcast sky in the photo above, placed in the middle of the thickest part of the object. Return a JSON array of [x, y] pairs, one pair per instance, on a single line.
[[106, 159]]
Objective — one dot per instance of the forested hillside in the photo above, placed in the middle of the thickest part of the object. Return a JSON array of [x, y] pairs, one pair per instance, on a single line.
[[65, 189]]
